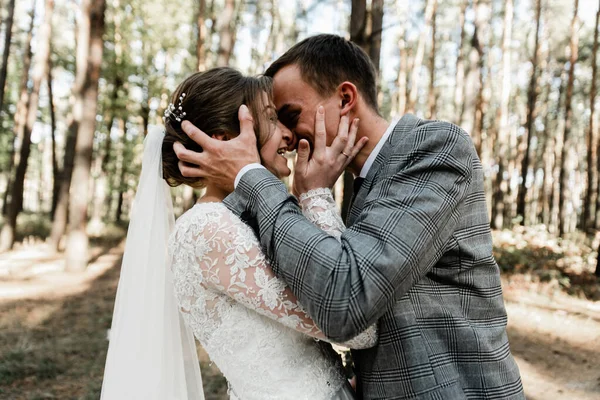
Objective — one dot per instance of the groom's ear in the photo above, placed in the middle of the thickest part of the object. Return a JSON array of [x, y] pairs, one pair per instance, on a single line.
[[348, 96]]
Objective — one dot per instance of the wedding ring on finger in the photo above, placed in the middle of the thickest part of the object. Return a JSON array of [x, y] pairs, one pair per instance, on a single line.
[[347, 155]]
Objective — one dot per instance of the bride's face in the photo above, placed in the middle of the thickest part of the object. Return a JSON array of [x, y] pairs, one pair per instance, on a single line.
[[279, 141]]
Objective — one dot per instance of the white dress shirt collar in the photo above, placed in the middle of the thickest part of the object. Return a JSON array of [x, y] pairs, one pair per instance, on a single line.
[[371, 159]]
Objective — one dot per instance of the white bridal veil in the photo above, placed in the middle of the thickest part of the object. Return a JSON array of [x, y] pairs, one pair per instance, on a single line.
[[151, 353]]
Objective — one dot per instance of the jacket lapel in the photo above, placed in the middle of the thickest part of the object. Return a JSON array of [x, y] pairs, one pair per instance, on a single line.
[[406, 124]]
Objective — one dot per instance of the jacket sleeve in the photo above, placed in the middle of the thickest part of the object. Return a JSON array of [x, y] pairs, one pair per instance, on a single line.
[[408, 217]]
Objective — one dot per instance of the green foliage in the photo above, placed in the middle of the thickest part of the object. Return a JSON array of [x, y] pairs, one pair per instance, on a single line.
[[539, 256], [33, 225]]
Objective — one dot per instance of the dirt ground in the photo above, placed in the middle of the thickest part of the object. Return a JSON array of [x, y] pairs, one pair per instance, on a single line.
[[53, 330]]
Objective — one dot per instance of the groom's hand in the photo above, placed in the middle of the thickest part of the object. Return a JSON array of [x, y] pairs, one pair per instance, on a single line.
[[220, 161], [327, 162]]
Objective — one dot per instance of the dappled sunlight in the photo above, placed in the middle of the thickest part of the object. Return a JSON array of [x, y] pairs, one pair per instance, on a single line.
[[34, 272]]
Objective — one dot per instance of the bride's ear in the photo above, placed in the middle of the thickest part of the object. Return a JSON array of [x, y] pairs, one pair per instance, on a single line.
[[348, 94]]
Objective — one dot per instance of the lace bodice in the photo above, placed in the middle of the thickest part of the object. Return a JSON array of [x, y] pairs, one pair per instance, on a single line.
[[246, 318]]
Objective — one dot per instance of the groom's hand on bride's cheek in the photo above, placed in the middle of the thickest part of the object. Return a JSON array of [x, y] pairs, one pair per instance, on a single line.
[[220, 161]]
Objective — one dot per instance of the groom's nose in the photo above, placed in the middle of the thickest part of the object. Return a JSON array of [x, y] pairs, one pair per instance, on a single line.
[[293, 143], [290, 139]]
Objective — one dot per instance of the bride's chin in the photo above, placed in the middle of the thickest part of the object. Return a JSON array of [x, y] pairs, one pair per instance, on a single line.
[[283, 173]]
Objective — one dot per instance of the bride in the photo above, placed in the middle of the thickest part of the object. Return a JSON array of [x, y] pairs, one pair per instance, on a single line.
[[214, 282]]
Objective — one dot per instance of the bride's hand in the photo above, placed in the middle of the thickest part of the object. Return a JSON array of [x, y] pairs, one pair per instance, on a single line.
[[327, 162]]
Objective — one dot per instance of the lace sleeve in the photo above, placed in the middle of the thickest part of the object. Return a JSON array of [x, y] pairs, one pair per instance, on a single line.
[[231, 262], [318, 206]]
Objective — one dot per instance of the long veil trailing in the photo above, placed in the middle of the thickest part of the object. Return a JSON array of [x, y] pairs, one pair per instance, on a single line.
[[151, 353]]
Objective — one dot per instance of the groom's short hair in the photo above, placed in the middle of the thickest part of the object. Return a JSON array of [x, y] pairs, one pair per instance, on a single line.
[[326, 60]]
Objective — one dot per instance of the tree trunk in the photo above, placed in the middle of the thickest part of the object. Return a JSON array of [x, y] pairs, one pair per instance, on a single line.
[[258, 49], [118, 83], [547, 152], [375, 32], [21, 112], [56, 173], [402, 75], [597, 213], [558, 145], [432, 96], [532, 94], [7, 237], [59, 223], [211, 16], [120, 168], [274, 34], [358, 23], [201, 26], [87, 99], [7, 42], [418, 61], [597, 272], [366, 25], [501, 186], [565, 190], [592, 142], [474, 96], [460, 67], [226, 34]]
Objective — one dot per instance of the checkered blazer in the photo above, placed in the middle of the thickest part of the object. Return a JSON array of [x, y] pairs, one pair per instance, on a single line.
[[416, 258]]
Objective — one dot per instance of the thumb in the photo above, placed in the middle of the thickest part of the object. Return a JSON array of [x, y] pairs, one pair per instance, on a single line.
[[303, 154], [246, 124]]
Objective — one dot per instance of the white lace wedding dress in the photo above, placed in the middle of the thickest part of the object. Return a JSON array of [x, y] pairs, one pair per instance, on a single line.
[[247, 319]]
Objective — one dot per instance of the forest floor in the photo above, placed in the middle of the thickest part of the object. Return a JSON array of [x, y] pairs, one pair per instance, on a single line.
[[53, 325]]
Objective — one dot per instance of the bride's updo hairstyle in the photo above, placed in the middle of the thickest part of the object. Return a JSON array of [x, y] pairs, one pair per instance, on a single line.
[[210, 100]]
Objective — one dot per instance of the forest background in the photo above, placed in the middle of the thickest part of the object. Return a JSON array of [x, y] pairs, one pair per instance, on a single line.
[[82, 80]]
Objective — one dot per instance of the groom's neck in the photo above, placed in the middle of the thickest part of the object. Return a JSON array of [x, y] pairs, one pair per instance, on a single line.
[[373, 127]]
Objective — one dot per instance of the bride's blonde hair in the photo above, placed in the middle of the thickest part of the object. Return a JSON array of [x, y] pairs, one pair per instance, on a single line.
[[210, 101]]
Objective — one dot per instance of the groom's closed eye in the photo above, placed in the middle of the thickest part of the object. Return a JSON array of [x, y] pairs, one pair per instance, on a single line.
[[288, 115]]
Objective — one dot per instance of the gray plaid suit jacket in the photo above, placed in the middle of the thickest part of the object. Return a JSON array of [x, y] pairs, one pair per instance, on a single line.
[[416, 258]]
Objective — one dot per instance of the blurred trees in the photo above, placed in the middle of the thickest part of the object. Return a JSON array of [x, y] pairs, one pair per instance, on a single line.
[[5, 53], [520, 77]]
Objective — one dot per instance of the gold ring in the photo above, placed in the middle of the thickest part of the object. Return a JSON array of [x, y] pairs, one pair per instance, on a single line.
[[347, 155]]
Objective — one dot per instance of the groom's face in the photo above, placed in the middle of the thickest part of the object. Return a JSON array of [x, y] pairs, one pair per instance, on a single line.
[[296, 102]]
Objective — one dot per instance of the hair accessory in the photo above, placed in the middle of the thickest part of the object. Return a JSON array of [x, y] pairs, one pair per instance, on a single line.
[[176, 111]]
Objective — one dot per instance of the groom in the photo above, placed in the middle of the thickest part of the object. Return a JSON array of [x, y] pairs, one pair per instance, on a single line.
[[417, 255]]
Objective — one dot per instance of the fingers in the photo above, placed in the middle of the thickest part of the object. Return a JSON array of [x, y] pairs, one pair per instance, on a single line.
[[357, 148], [351, 136], [303, 156], [188, 161], [341, 140], [205, 141], [190, 171], [352, 149], [186, 155], [246, 125], [320, 134]]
